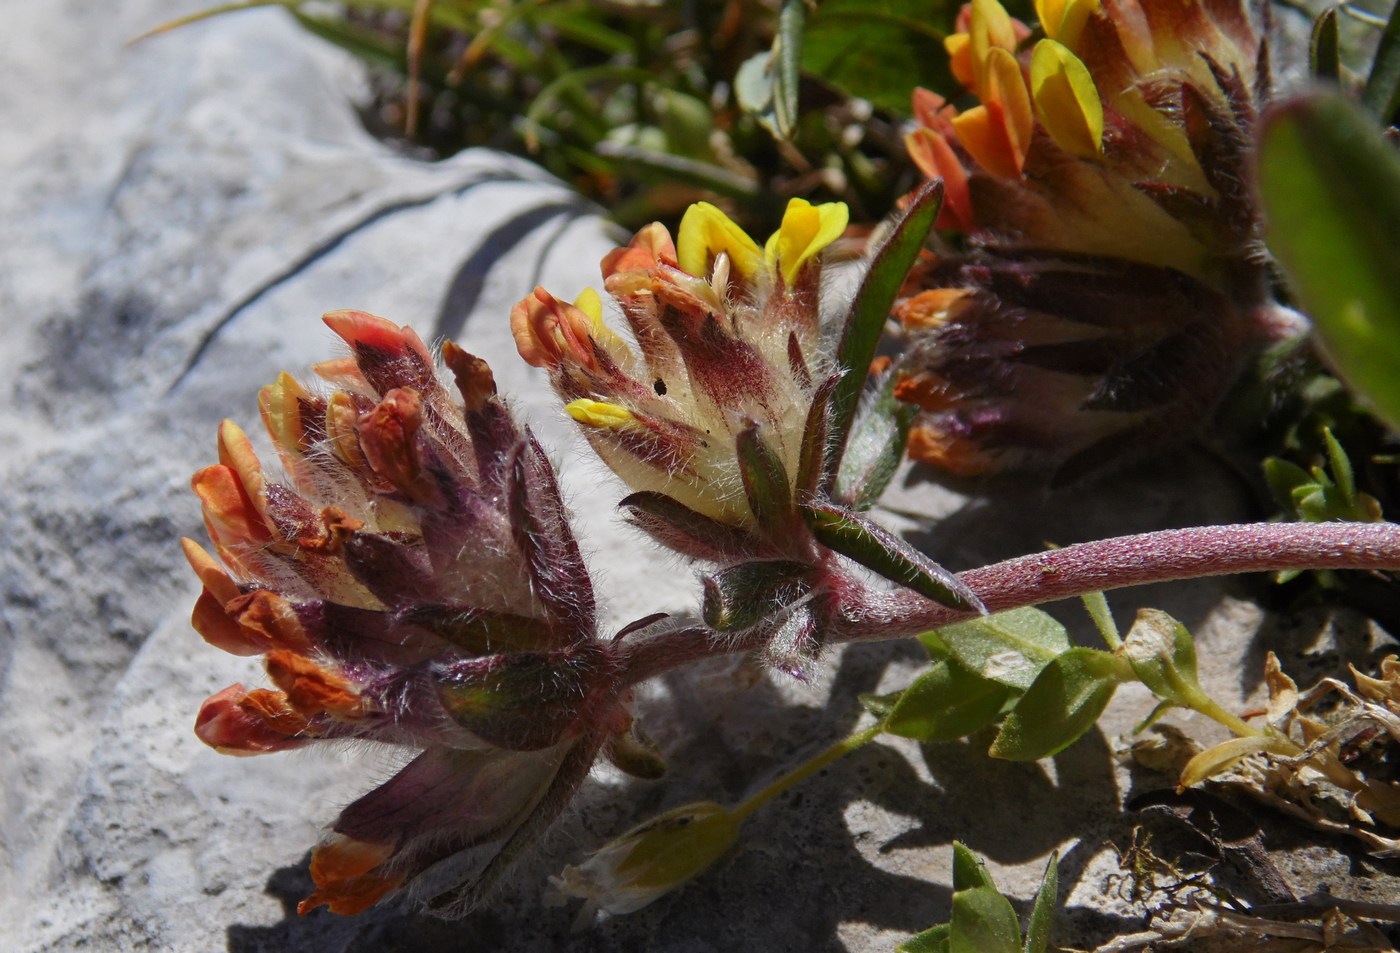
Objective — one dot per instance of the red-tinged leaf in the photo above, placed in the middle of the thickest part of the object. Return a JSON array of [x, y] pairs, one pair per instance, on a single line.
[[678, 527], [541, 528], [815, 454], [858, 538]]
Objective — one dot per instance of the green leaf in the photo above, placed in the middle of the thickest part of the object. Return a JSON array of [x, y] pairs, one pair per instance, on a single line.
[[1284, 477], [969, 872], [932, 940], [853, 535], [787, 54], [1061, 705], [765, 479], [1009, 647], [766, 84], [876, 445], [983, 922], [871, 307], [1043, 913], [946, 703], [1163, 655], [1330, 189], [1382, 93], [1096, 604], [1324, 57], [1342, 474], [879, 50]]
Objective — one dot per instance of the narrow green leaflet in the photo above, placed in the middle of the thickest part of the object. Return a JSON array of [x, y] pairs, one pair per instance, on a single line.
[[1043, 913], [1330, 189], [1324, 56], [1096, 604], [853, 535], [983, 922], [946, 703], [871, 307], [766, 84], [1061, 705], [1009, 647]]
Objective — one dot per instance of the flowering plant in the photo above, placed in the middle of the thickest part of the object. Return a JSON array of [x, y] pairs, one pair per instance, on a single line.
[[414, 580]]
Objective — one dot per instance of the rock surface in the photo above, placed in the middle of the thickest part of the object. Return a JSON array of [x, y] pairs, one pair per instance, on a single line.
[[176, 216]]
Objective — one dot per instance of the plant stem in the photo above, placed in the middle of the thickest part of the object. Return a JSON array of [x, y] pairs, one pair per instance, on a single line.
[[861, 614], [839, 750]]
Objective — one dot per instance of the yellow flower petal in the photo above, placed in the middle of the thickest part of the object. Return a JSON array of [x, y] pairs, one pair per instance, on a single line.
[[992, 29], [706, 232], [1066, 101], [805, 231], [959, 47], [1063, 20], [591, 304], [998, 132], [596, 413]]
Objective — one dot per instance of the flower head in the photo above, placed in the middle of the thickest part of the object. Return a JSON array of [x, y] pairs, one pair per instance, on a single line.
[[414, 581], [719, 419], [728, 341], [1101, 185]]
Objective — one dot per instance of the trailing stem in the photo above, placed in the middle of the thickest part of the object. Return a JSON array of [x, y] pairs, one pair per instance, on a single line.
[[866, 615]]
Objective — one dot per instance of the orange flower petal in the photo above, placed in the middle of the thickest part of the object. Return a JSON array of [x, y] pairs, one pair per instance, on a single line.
[[388, 436], [216, 580], [239, 722], [220, 629], [342, 869], [229, 515], [312, 689], [936, 159], [359, 328], [269, 621], [549, 332], [236, 452]]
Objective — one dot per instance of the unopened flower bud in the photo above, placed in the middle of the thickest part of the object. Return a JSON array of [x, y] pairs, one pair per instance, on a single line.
[[653, 858]]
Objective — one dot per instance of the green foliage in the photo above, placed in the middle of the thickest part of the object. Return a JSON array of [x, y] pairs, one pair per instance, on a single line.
[[1063, 702], [767, 83], [1321, 493], [648, 107], [853, 535], [1324, 53], [947, 702], [865, 322], [879, 50], [876, 445], [1010, 648], [984, 921], [1163, 657], [1330, 188], [1382, 93]]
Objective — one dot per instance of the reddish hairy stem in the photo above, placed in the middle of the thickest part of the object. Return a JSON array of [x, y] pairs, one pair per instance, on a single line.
[[864, 615]]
